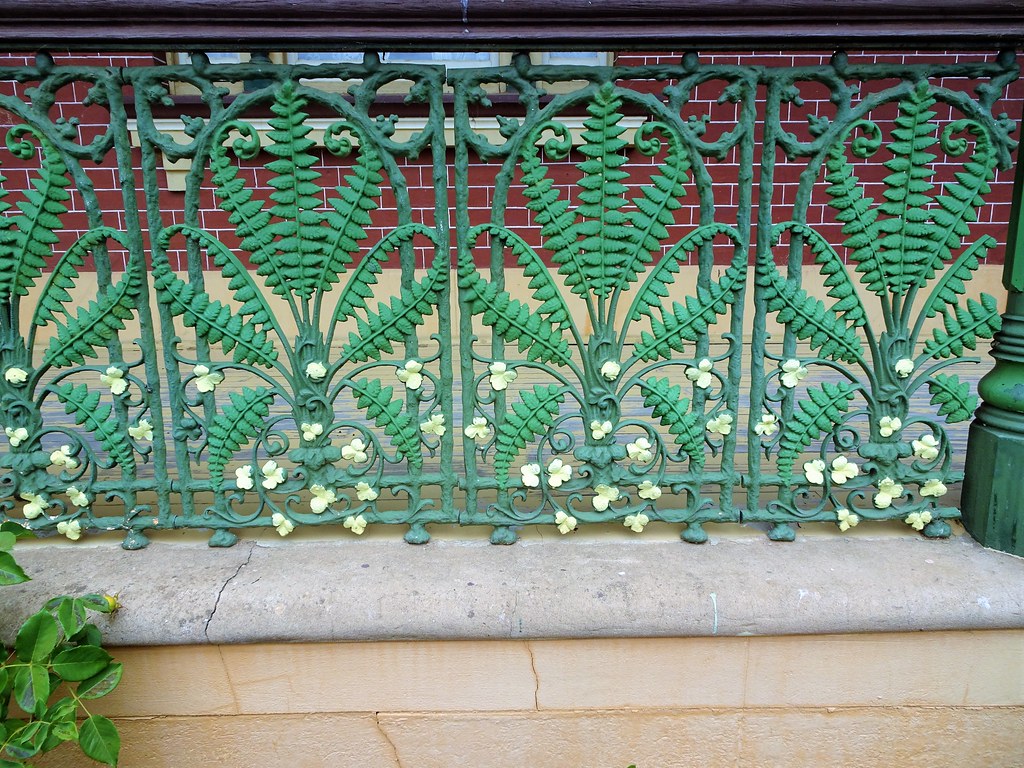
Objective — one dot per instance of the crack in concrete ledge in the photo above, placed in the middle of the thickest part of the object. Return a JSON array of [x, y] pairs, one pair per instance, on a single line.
[[228, 580], [380, 729], [536, 677]]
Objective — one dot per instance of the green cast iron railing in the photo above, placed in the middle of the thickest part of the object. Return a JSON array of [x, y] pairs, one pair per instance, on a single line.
[[510, 295]]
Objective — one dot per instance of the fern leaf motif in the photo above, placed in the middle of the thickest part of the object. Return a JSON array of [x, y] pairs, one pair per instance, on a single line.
[[816, 416], [96, 324], [964, 327], [531, 416], [674, 412], [27, 244], [212, 320], [55, 293], [848, 307], [808, 317], [953, 397], [687, 322], [241, 421], [84, 406], [375, 400]]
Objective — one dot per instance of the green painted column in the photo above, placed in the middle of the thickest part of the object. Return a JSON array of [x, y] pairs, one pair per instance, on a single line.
[[993, 497]]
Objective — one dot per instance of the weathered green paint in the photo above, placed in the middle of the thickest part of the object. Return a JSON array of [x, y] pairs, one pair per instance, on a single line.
[[608, 391]]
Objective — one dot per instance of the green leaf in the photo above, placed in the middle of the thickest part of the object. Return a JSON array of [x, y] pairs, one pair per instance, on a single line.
[[7, 541], [512, 320], [953, 396], [27, 740], [241, 420], [212, 320], [10, 571], [96, 324], [387, 414], [690, 320], [87, 411], [25, 247], [37, 637], [807, 317], [71, 615], [55, 293], [817, 415], [948, 290], [31, 687], [398, 320], [99, 740], [674, 412], [530, 417], [964, 327], [101, 683], [81, 663]]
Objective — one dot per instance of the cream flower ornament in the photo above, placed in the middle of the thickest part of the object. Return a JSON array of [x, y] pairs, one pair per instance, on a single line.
[[16, 376], [78, 498], [356, 524], [114, 378], [316, 370], [606, 494], [410, 375], [566, 523], [365, 493], [434, 425], [768, 425], [701, 376], [889, 425], [478, 430], [311, 432], [648, 490], [322, 499], [918, 520], [793, 372], [888, 490], [207, 380], [640, 450], [273, 475], [611, 370], [599, 430], [843, 470], [501, 376], [847, 519], [904, 367], [62, 458], [142, 431], [70, 528], [636, 522], [926, 448], [283, 524], [354, 451], [933, 487], [35, 507], [559, 472], [720, 425], [16, 436], [814, 471], [531, 475], [243, 478]]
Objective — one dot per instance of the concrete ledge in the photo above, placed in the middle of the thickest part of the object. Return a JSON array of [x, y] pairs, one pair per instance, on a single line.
[[262, 591]]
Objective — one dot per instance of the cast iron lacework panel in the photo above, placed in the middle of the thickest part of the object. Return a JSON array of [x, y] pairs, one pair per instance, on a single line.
[[649, 325]]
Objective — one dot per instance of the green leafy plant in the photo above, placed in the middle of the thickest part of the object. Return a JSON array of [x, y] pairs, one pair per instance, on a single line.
[[55, 669]]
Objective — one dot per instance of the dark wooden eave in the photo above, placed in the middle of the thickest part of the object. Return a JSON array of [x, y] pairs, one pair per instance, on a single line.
[[508, 24]]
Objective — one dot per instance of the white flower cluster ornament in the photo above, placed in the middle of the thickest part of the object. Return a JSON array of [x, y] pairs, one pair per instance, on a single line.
[[531, 475], [434, 425], [243, 478], [721, 424], [16, 376], [889, 426], [114, 378], [316, 370], [322, 499], [640, 451], [558, 473], [207, 380], [793, 372], [814, 471], [702, 375], [365, 493], [888, 491], [918, 520], [62, 458], [142, 431], [904, 367], [599, 430], [355, 451], [356, 524], [410, 375], [926, 448], [273, 475], [70, 528], [637, 522], [768, 425], [610, 370], [311, 432], [478, 430], [846, 519], [933, 487], [843, 470], [501, 376], [36, 505], [566, 523], [648, 490], [605, 495], [77, 497], [16, 436], [283, 525]]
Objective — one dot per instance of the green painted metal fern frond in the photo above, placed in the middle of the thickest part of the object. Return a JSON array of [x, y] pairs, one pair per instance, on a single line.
[[531, 417], [674, 412], [817, 415], [88, 412], [376, 401], [240, 421]]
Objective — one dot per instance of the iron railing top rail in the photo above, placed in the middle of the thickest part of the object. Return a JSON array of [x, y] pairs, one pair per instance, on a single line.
[[532, 24]]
